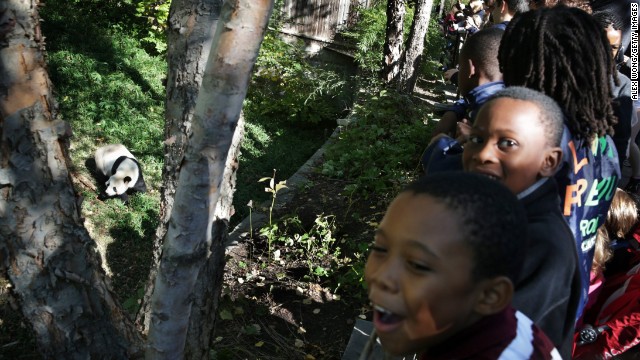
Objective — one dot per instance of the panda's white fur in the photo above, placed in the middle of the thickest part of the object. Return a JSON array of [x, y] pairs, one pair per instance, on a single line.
[[126, 175]]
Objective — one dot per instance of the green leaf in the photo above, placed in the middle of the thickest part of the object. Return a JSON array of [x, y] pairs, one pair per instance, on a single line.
[[226, 315]]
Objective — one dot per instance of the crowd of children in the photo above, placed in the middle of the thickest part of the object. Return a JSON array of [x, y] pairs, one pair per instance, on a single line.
[[519, 241]]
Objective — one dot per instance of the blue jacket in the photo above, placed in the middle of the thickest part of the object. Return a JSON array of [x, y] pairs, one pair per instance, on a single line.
[[587, 179], [469, 104]]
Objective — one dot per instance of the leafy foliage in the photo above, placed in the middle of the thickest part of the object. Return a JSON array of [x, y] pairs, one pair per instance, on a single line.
[[156, 13], [381, 150], [288, 87], [433, 48], [143, 19]]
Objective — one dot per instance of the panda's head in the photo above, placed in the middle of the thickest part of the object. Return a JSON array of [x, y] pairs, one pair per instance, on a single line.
[[125, 177], [117, 184]]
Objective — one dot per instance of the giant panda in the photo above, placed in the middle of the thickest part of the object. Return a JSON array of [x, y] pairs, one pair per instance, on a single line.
[[121, 168]]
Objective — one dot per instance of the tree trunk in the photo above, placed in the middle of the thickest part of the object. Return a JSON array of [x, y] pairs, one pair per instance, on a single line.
[[441, 9], [415, 46], [194, 229], [45, 251], [191, 27], [210, 279], [393, 41]]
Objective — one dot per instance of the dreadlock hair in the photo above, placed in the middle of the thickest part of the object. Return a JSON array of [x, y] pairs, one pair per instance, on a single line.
[[563, 53]]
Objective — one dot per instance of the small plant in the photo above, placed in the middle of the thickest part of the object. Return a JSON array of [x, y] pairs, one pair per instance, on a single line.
[[271, 231], [316, 245], [250, 205]]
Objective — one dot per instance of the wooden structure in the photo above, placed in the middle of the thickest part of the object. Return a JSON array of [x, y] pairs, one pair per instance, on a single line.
[[319, 19]]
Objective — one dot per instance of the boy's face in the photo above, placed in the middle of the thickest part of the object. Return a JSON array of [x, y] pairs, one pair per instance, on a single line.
[[509, 143], [615, 39], [419, 275]]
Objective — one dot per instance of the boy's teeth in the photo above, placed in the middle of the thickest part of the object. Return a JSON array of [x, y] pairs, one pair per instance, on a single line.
[[386, 316]]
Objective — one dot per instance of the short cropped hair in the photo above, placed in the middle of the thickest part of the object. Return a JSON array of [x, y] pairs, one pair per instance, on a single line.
[[515, 6], [492, 220], [551, 116], [483, 48]]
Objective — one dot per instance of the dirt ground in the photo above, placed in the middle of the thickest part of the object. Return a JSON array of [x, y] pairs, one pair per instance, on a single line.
[[279, 311]]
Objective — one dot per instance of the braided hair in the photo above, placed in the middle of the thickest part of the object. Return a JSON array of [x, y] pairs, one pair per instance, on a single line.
[[563, 53], [607, 18]]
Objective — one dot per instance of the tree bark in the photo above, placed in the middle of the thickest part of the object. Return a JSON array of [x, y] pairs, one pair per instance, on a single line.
[[45, 251], [392, 51], [415, 46], [210, 278], [191, 27], [194, 228]]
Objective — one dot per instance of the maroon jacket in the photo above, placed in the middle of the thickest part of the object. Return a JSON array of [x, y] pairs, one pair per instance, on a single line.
[[508, 334]]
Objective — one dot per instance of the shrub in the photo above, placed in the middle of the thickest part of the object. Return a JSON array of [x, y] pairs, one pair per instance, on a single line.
[[287, 87], [382, 149]]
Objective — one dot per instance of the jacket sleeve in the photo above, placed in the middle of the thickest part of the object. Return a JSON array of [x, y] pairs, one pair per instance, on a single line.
[[548, 287], [620, 315]]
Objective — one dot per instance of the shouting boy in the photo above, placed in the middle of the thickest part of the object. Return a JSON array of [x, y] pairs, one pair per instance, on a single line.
[[441, 271]]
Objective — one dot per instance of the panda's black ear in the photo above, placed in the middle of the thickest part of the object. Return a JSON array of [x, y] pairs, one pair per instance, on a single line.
[[127, 179]]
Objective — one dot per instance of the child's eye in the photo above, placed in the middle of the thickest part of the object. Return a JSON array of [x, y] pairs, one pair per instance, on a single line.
[[506, 143], [418, 266], [377, 249]]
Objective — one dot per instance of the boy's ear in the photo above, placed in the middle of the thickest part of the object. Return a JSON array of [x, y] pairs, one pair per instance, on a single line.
[[472, 68], [495, 295], [503, 7], [551, 161]]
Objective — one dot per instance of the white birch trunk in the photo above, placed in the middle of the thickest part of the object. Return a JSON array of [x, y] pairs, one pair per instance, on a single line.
[[45, 251], [412, 61], [192, 24], [188, 241]]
